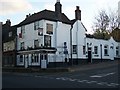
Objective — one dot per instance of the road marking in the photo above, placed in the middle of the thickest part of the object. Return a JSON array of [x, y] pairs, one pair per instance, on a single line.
[[100, 83], [58, 78], [91, 82], [102, 75], [72, 79], [87, 81], [83, 81]]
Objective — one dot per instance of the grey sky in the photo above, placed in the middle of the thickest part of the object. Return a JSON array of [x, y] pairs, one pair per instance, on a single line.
[[16, 10]]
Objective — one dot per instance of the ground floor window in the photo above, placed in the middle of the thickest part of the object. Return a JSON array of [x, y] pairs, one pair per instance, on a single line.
[[34, 58], [21, 58], [106, 50], [43, 56], [95, 49], [84, 51], [117, 51], [74, 49]]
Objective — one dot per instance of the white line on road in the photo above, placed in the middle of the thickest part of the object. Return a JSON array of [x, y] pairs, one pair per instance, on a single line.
[[72, 79], [83, 81], [87, 81], [102, 75], [91, 82]]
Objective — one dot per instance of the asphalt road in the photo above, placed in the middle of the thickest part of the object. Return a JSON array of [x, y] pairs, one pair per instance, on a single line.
[[106, 77]]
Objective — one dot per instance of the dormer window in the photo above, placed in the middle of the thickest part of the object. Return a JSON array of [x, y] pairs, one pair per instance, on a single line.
[[10, 34]]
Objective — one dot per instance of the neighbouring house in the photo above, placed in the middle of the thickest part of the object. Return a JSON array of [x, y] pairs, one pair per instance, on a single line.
[[49, 38], [9, 44]]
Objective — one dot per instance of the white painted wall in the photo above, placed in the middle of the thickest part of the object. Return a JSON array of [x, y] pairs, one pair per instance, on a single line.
[[61, 34], [78, 35]]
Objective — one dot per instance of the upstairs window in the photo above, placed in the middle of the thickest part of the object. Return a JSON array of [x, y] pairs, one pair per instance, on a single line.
[[40, 31], [23, 29], [36, 25], [74, 49], [36, 43], [49, 28], [10, 34], [22, 45], [106, 50], [95, 49]]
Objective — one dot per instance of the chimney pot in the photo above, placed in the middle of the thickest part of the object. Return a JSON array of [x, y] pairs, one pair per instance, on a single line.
[[58, 0]]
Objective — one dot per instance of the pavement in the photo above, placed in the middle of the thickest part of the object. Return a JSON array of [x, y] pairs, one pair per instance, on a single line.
[[72, 68], [94, 65]]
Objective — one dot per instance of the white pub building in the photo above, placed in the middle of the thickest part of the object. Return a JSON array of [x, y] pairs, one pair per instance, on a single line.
[[48, 38]]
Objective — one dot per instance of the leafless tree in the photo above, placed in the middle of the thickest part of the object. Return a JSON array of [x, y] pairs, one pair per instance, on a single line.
[[101, 25], [113, 20]]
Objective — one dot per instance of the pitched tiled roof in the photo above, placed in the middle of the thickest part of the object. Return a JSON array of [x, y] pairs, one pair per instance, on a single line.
[[45, 14]]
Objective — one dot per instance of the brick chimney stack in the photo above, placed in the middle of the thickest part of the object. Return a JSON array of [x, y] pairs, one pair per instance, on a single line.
[[77, 13], [8, 22], [58, 9]]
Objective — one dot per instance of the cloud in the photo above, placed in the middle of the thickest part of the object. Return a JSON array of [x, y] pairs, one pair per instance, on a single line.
[[13, 6]]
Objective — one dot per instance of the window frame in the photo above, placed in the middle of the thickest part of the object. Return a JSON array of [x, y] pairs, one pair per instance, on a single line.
[[36, 42], [34, 58], [21, 58], [36, 25], [49, 28], [96, 50], [22, 45], [74, 49], [84, 50], [23, 29], [117, 51], [10, 34], [47, 42], [106, 50]]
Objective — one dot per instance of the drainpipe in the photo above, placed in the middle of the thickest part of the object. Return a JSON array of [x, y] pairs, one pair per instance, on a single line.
[[77, 41], [55, 41], [71, 44], [101, 51], [15, 42]]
